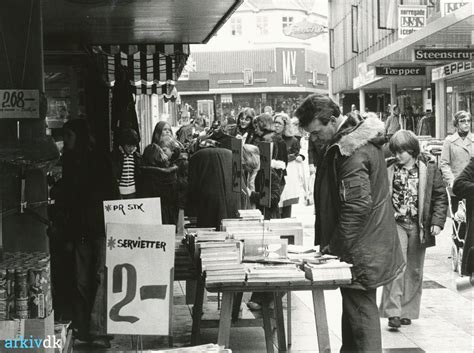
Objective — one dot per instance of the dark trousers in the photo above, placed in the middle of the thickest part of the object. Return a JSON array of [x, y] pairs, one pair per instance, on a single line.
[[286, 211], [62, 266], [90, 295], [360, 321]]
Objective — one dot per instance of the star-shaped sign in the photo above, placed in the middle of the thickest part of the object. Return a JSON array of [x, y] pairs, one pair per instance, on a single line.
[[111, 243]]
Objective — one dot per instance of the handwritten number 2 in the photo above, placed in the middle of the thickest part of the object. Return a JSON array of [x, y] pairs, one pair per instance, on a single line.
[[131, 289]]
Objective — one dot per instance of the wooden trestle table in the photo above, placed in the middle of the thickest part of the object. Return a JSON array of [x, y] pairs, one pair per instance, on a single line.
[[273, 291]]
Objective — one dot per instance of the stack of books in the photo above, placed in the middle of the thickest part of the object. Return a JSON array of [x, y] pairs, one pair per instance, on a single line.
[[331, 271], [240, 223], [204, 236], [253, 233], [274, 273], [221, 261], [250, 214]]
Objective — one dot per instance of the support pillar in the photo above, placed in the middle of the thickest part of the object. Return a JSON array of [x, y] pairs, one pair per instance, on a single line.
[[393, 94], [440, 109], [21, 67], [361, 101]]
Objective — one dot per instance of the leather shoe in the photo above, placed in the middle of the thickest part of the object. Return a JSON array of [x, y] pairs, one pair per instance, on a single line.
[[394, 322], [405, 321]]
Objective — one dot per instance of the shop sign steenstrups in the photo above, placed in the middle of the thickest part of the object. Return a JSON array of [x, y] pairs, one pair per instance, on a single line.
[[411, 18], [400, 71], [19, 104], [443, 54], [139, 261], [452, 69], [448, 6]]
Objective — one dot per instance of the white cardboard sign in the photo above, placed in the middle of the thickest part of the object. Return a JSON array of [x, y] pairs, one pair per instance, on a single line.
[[133, 211], [140, 260]]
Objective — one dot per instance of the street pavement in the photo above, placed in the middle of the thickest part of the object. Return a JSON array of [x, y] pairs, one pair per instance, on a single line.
[[446, 322]]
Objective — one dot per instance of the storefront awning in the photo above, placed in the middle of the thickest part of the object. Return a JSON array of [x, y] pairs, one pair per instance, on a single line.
[[451, 31], [98, 22], [149, 67]]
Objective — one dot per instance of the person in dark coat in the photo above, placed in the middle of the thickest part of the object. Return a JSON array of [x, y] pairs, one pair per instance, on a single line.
[[463, 187], [265, 132], [292, 188], [354, 215], [420, 203], [88, 181], [159, 171], [210, 195]]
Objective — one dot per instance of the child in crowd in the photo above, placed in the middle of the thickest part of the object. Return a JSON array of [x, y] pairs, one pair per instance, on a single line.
[[126, 162], [420, 203]]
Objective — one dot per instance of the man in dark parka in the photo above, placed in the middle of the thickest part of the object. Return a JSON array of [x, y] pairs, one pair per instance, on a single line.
[[354, 215]]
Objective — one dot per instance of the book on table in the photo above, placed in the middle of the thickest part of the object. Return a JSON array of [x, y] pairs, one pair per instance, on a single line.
[[264, 272], [333, 270]]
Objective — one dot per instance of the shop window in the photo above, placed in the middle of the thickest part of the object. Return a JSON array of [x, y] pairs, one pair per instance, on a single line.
[[286, 21], [236, 26], [248, 77], [355, 28], [387, 14], [262, 25]]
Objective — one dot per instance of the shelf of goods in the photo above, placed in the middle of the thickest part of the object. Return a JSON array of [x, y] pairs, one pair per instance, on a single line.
[[26, 306]]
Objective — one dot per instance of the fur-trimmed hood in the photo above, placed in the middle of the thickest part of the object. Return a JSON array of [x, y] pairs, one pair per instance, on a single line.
[[353, 135]]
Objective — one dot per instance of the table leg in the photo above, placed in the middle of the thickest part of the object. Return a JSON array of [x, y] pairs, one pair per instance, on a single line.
[[288, 316], [280, 321], [225, 319], [236, 307], [197, 312], [267, 326], [322, 330]]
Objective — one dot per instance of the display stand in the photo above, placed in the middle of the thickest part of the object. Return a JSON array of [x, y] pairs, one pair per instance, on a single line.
[[276, 291]]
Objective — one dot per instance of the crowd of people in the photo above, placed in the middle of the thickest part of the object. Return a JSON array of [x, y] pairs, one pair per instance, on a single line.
[[379, 200]]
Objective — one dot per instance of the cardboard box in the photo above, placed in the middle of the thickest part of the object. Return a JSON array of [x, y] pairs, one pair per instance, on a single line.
[[27, 328]]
